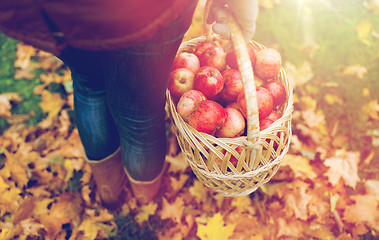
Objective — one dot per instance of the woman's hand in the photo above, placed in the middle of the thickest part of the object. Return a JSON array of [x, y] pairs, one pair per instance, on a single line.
[[245, 12]]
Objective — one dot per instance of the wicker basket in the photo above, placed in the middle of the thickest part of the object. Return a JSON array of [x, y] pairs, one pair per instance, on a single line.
[[262, 151]]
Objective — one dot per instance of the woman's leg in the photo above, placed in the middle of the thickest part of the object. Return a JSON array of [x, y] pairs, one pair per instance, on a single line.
[[136, 88]]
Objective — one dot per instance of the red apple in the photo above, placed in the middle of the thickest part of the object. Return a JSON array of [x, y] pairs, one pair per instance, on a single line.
[[214, 57], [274, 115], [207, 117], [265, 123], [233, 85], [202, 46], [277, 91], [264, 101], [267, 63], [209, 81], [187, 103], [234, 105], [234, 124], [186, 60], [231, 59], [181, 80]]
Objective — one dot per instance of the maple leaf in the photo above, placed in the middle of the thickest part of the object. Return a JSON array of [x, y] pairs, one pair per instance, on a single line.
[[172, 210], [343, 166], [51, 103], [241, 203], [297, 199], [364, 210], [300, 165], [90, 228], [215, 229], [199, 191], [145, 212]]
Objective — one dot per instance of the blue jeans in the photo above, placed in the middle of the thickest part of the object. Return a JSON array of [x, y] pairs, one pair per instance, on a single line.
[[119, 98]]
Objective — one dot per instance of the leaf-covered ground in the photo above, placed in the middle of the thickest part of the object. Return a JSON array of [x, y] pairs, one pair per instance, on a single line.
[[328, 183]]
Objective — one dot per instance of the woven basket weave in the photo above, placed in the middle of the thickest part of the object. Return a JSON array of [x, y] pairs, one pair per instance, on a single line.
[[262, 152]]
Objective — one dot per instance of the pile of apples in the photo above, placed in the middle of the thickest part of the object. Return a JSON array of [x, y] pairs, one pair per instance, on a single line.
[[207, 88]]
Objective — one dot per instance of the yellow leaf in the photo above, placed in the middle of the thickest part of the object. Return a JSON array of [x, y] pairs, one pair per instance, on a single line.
[[343, 166], [89, 228], [299, 165], [51, 103], [333, 201], [199, 191], [301, 75], [372, 109], [241, 203], [333, 99], [215, 229], [363, 30], [145, 212]]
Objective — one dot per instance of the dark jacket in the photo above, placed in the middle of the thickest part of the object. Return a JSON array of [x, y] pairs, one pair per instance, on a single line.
[[51, 25]]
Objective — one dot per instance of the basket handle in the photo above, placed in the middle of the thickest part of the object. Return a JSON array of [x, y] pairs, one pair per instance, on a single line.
[[245, 68]]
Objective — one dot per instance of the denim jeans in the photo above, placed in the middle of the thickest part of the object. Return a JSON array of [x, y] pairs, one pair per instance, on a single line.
[[119, 98]]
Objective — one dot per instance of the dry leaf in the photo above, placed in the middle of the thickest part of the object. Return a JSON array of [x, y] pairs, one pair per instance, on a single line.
[[172, 210], [51, 103], [301, 75], [5, 103], [300, 165], [297, 199], [364, 210], [215, 229], [145, 211], [372, 109], [343, 166], [199, 191]]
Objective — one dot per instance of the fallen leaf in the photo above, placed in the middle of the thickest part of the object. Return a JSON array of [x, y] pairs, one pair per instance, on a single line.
[[372, 109], [31, 228], [364, 210], [289, 228], [51, 103], [145, 211], [215, 229], [297, 199], [300, 165], [241, 203], [199, 191], [5, 103], [343, 166], [172, 210]]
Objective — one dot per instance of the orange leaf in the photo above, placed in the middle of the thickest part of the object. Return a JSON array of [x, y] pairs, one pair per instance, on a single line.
[[297, 199], [343, 166], [364, 210], [5, 103], [172, 210]]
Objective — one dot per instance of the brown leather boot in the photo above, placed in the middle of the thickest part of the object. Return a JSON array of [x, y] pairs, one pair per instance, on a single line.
[[146, 191], [110, 179]]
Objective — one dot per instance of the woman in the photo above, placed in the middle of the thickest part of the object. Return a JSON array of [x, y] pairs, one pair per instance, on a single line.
[[120, 55]]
